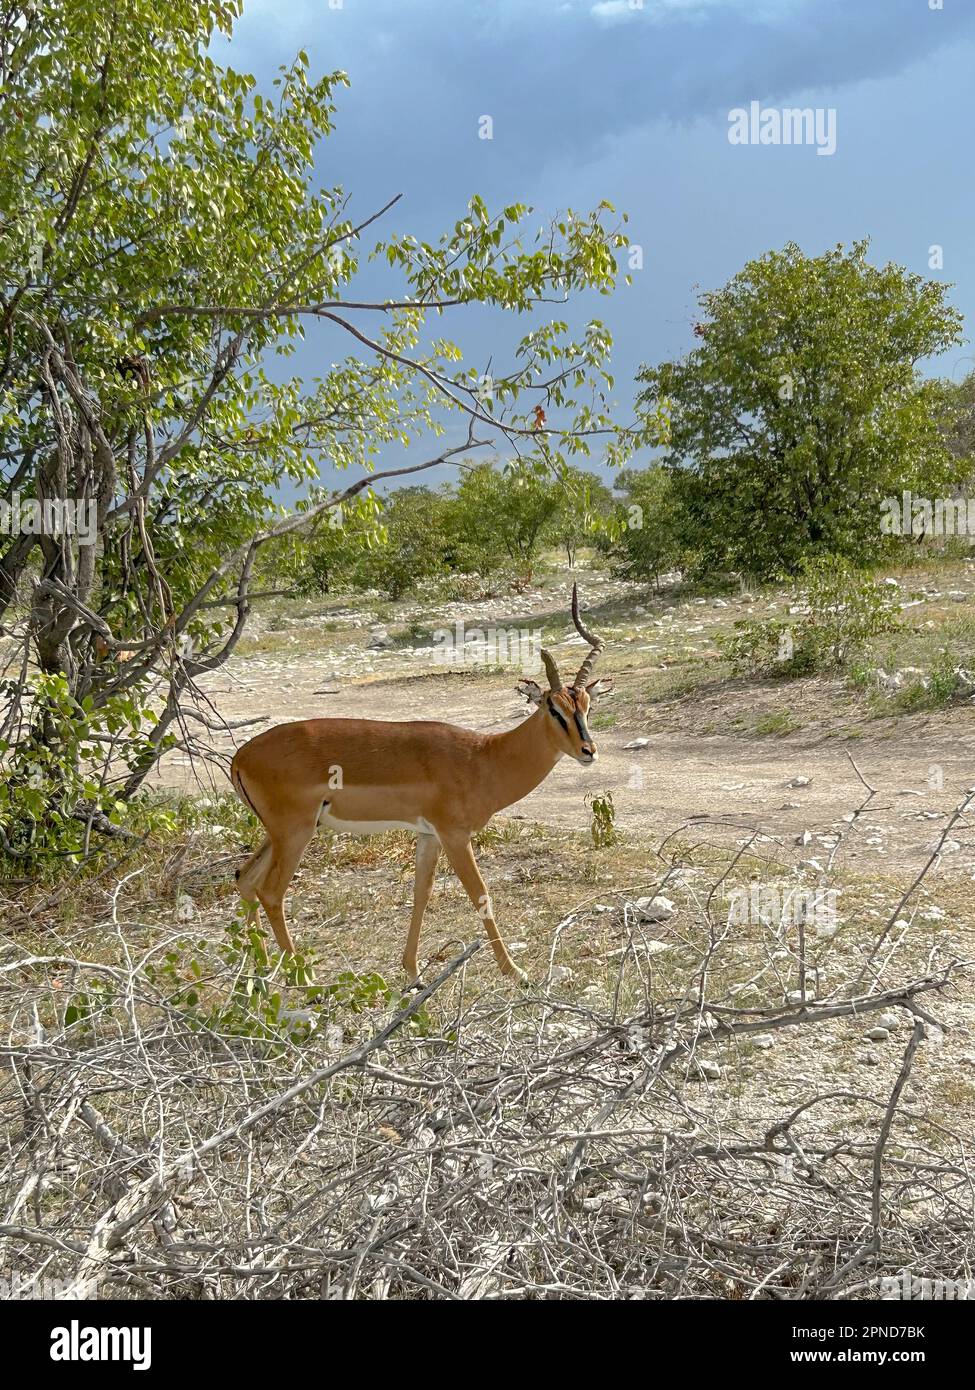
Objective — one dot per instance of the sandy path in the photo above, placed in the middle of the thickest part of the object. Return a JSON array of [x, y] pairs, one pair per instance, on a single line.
[[658, 787]]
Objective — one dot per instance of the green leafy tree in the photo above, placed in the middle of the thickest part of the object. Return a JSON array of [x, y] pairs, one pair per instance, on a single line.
[[650, 525], [803, 407], [583, 514], [411, 545], [323, 558], [502, 518], [959, 426], [164, 246]]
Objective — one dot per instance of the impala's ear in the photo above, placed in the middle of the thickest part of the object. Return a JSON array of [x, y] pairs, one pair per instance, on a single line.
[[531, 690], [600, 687]]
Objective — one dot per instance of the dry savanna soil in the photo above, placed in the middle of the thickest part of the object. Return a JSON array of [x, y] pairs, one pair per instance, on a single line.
[[793, 784]]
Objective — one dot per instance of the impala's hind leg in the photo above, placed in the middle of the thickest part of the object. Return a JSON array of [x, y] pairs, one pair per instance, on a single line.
[[287, 847], [249, 875], [427, 854]]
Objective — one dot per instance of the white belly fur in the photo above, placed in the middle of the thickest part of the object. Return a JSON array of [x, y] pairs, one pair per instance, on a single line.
[[373, 827]]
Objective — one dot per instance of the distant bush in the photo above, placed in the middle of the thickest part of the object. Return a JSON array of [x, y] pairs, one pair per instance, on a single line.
[[494, 525], [650, 525], [842, 610]]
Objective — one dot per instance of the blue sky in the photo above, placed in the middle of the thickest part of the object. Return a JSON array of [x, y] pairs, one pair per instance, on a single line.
[[595, 99]]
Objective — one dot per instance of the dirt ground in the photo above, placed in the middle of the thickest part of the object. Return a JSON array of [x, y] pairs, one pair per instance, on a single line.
[[699, 758]]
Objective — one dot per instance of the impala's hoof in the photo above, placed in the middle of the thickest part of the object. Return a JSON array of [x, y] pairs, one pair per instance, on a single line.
[[413, 974], [518, 978]]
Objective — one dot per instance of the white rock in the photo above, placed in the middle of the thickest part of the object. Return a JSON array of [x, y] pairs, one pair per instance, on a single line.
[[561, 974], [763, 1040], [707, 1071], [657, 909], [876, 1035], [637, 743], [185, 908], [800, 782]]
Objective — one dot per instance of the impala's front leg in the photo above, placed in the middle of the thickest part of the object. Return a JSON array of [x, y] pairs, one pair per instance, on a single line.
[[427, 854], [460, 852]]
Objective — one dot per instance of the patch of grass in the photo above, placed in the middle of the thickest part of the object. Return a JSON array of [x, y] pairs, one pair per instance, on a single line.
[[778, 723], [502, 832]]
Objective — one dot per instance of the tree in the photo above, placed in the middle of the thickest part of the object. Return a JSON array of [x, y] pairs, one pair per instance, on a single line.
[[412, 545], [163, 240], [803, 407], [323, 557], [650, 525], [504, 516], [959, 426], [585, 505]]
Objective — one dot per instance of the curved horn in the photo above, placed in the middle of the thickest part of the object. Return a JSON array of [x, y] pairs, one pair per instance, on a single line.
[[585, 670], [551, 670]]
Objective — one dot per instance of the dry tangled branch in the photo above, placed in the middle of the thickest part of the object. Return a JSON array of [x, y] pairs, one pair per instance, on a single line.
[[463, 1145]]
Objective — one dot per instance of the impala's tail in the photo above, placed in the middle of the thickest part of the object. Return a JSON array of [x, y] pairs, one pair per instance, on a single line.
[[239, 787]]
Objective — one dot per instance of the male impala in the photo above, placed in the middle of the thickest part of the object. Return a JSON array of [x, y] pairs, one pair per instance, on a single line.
[[442, 782]]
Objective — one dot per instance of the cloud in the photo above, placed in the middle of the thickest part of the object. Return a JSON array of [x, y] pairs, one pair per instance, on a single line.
[[615, 11], [564, 80], [662, 11]]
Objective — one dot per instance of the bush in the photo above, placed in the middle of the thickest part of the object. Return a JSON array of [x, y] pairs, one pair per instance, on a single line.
[[277, 1003], [602, 826], [649, 526], [844, 610], [55, 786]]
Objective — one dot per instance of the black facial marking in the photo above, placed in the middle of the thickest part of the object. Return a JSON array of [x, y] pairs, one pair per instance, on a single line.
[[553, 710]]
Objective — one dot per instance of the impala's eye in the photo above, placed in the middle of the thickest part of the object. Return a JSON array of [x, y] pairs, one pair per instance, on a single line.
[[553, 710]]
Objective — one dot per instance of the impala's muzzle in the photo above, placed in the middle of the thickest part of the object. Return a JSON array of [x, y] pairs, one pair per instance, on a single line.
[[587, 748]]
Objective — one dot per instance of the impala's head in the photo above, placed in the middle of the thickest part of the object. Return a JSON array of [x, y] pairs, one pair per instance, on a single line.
[[565, 707]]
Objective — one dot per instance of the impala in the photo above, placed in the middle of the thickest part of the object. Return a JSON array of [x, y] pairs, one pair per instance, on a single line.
[[444, 783]]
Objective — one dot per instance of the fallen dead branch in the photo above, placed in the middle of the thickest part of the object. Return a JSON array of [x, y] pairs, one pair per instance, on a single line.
[[491, 1147]]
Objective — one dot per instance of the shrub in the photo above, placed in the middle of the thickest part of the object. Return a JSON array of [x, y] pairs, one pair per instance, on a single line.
[[843, 610], [602, 826]]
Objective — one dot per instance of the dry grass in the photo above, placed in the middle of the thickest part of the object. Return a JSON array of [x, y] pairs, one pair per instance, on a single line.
[[616, 1131]]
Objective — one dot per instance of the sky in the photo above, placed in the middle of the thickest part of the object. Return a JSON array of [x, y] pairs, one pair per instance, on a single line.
[[630, 101]]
